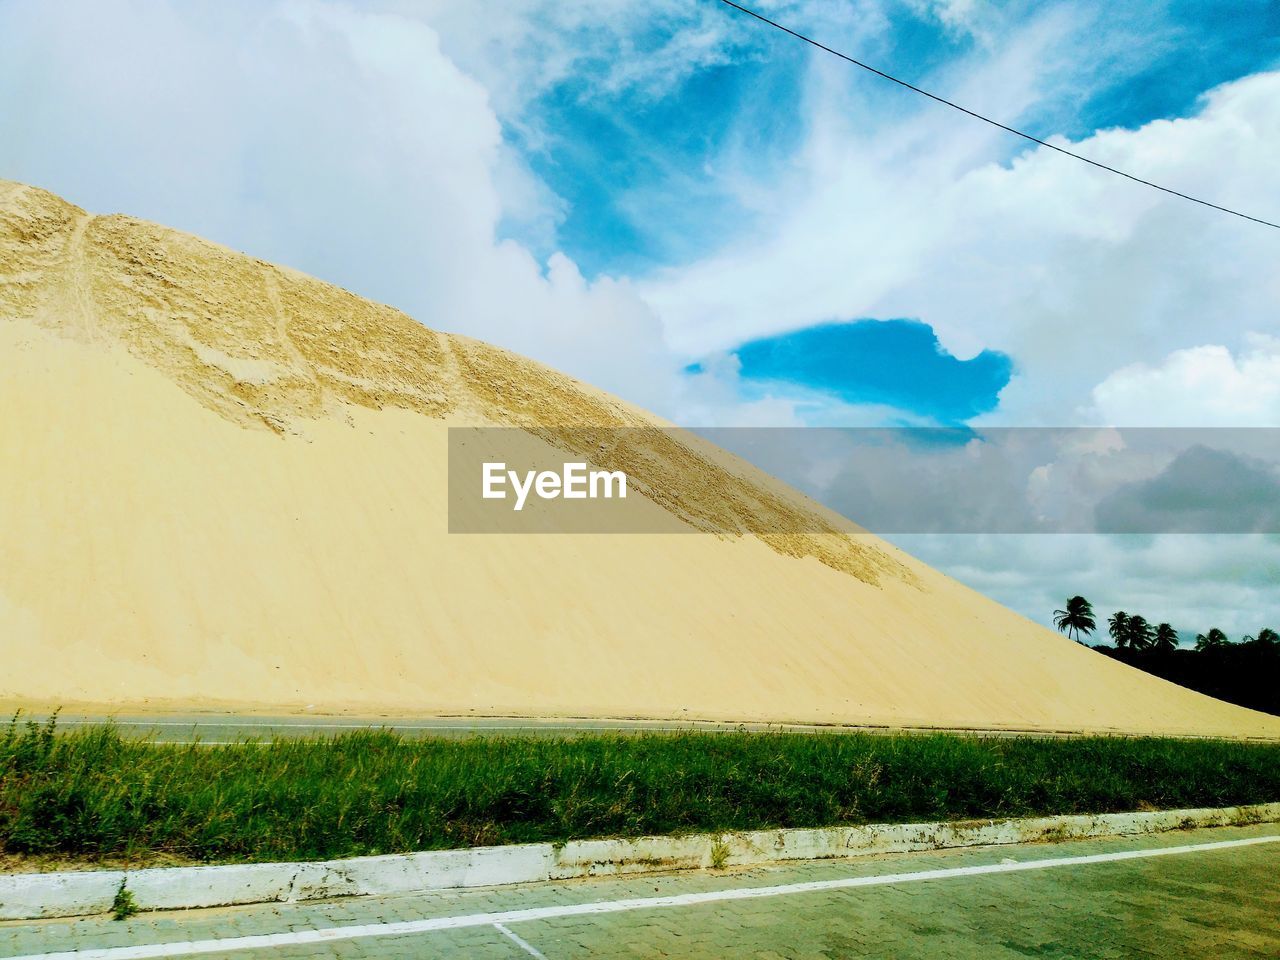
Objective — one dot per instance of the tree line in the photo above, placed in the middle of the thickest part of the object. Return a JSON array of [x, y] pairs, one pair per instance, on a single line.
[[1246, 672]]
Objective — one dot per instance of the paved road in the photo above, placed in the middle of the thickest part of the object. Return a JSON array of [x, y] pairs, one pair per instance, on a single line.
[[1211, 901], [214, 728]]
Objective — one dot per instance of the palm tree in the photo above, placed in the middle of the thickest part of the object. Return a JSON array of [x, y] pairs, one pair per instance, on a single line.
[[1139, 633], [1118, 627], [1265, 639], [1076, 619], [1215, 639], [1166, 638]]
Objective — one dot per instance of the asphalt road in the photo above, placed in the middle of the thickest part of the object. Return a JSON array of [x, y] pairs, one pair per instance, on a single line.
[[1210, 894], [216, 728]]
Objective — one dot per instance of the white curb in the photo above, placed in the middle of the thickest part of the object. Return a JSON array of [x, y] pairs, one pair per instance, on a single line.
[[25, 896]]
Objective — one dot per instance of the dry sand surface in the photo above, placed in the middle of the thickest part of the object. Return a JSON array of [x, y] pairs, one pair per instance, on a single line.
[[223, 485]]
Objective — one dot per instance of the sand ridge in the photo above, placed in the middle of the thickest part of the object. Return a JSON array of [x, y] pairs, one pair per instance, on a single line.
[[223, 483], [270, 347]]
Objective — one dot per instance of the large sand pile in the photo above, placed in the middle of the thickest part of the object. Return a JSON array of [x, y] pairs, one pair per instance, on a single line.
[[223, 483]]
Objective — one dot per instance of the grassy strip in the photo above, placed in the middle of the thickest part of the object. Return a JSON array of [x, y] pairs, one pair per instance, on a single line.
[[93, 794]]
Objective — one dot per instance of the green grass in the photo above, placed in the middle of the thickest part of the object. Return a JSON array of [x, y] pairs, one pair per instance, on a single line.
[[91, 794], [124, 905]]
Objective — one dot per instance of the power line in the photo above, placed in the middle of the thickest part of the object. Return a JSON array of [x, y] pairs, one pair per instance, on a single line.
[[984, 119]]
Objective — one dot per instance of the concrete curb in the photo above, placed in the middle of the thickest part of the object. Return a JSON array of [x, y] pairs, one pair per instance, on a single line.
[[81, 893]]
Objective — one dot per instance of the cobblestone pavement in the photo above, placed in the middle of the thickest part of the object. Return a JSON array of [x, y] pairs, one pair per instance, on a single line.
[[1212, 903]]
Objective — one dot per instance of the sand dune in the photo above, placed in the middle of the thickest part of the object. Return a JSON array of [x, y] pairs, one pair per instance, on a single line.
[[223, 484]]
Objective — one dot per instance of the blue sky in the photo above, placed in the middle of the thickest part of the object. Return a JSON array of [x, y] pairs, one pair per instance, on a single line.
[[637, 169], [605, 146], [712, 221], [1192, 46], [640, 168], [893, 363]]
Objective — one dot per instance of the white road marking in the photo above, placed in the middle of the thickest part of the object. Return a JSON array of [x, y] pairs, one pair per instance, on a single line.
[[520, 942], [404, 927]]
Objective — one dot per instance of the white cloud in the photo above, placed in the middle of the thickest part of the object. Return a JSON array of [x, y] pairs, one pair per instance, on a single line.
[[865, 205], [1191, 581], [339, 141], [521, 49], [1202, 386], [958, 16], [1072, 271]]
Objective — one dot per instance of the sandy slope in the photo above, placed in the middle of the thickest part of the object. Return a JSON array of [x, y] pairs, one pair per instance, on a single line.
[[223, 483]]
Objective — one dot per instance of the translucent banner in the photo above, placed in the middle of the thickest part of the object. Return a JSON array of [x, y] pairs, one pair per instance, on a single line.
[[732, 481]]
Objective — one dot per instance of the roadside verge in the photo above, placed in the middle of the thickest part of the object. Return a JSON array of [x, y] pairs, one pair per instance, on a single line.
[[26, 896]]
